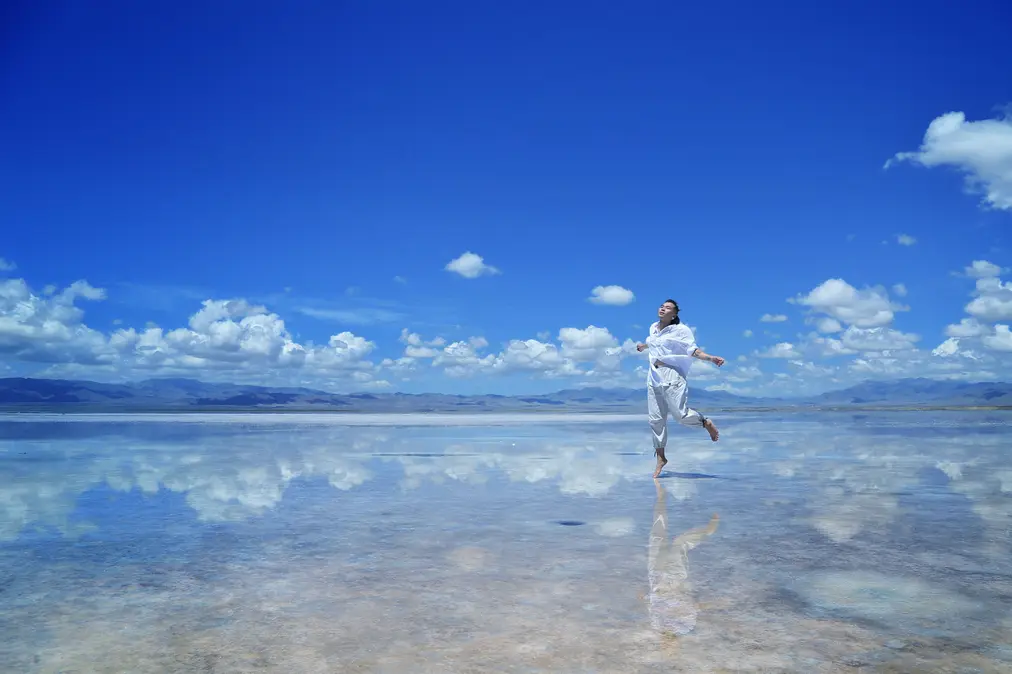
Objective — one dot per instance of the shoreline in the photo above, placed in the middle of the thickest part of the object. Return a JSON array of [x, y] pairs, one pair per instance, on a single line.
[[25, 412]]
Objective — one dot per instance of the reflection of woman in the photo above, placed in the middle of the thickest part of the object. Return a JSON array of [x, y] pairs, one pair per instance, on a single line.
[[671, 605], [671, 348]]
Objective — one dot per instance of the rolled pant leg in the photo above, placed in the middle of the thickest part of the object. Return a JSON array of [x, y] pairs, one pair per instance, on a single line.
[[657, 412], [677, 395]]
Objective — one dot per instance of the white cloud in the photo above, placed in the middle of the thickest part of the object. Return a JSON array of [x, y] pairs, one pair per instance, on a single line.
[[470, 265], [412, 351], [773, 318], [868, 308], [590, 351], [7, 265], [981, 150], [878, 367], [417, 347], [228, 337], [827, 347], [242, 341], [993, 301], [949, 347], [877, 339], [461, 359], [905, 240], [828, 325], [900, 290], [742, 373], [747, 333], [49, 329], [967, 327], [532, 355], [586, 344], [400, 366], [781, 350], [855, 326], [811, 368], [1001, 340], [983, 269], [612, 295], [357, 316]]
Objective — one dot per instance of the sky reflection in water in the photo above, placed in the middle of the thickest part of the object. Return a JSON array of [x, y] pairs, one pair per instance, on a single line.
[[841, 541]]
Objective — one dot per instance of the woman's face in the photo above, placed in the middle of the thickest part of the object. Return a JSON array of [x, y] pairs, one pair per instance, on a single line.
[[666, 311]]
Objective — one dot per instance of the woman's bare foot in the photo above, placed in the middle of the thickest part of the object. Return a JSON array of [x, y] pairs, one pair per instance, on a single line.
[[661, 462], [711, 429]]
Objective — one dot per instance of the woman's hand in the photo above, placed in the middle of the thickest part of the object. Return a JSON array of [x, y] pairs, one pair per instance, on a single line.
[[717, 360], [640, 347]]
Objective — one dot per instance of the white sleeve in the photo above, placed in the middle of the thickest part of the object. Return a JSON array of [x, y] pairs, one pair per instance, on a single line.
[[676, 345]]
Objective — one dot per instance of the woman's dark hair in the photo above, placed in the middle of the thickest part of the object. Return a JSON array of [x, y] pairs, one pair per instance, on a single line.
[[676, 320]]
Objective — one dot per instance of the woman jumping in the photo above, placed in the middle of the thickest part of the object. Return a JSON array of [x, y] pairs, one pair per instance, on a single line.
[[672, 347]]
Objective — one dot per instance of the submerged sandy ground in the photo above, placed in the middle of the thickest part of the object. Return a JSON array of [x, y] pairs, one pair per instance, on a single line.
[[423, 562], [473, 608]]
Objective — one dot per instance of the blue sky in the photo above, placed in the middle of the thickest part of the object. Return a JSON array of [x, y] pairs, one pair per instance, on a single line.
[[311, 170]]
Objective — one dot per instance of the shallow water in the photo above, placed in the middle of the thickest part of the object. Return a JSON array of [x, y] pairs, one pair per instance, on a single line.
[[841, 542]]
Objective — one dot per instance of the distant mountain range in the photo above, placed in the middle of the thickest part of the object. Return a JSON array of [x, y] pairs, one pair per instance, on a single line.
[[191, 395]]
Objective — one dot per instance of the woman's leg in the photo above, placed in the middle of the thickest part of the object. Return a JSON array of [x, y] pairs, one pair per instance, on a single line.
[[657, 413], [678, 403]]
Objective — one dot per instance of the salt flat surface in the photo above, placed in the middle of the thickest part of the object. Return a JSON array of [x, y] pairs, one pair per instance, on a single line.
[[873, 542]]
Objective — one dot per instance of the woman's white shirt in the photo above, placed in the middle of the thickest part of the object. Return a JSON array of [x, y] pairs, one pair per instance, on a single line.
[[673, 346]]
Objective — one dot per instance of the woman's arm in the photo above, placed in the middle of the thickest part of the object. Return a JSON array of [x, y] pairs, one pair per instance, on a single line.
[[704, 356]]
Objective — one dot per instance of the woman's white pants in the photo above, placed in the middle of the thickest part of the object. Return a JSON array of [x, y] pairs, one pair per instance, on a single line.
[[669, 398]]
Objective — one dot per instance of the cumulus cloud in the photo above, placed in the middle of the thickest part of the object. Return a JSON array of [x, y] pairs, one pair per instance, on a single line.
[[747, 333], [50, 329], [586, 344], [471, 265], [828, 325], [810, 367], [905, 240], [827, 347], [899, 290], [877, 339], [981, 151], [781, 350], [236, 335], [773, 318], [993, 301], [531, 355], [986, 325], [867, 308], [416, 347], [612, 295], [225, 336], [967, 327], [983, 269], [949, 347], [742, 373], [855, 326], [462, 359], [592, 351], [1001, 340]]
